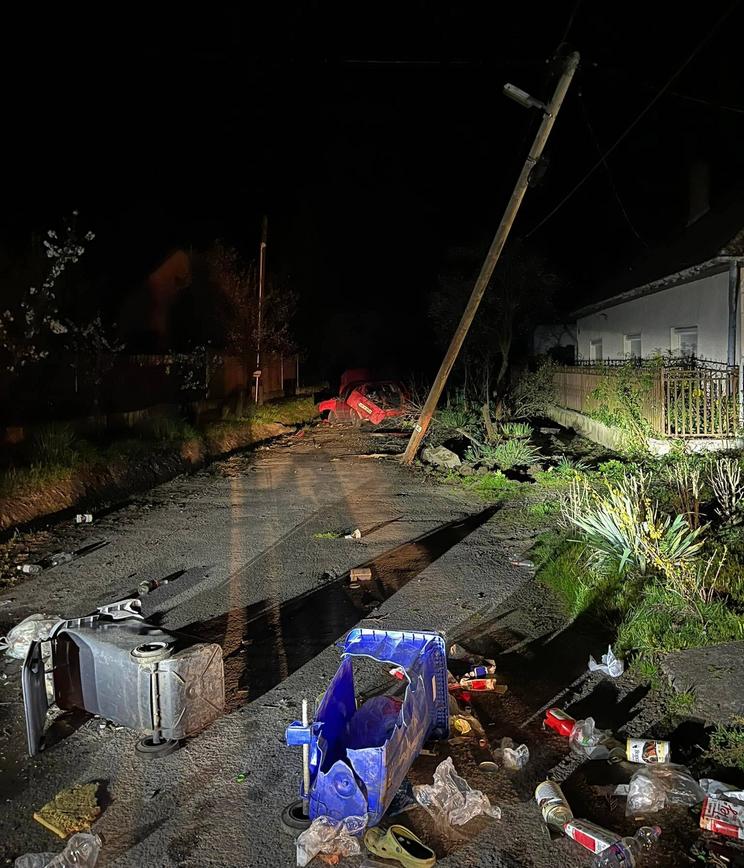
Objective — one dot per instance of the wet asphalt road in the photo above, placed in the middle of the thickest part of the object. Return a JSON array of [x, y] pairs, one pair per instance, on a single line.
[[259, 582]]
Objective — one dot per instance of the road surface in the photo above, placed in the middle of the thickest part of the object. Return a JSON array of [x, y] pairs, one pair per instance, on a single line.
[[257, 578]]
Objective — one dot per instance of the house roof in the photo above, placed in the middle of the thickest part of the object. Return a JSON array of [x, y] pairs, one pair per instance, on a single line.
[[704, 248]]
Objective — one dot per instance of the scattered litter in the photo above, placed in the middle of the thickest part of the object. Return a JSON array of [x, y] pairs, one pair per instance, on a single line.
[[595, 838], [647, 751], [713, 787], [354, 534], [511, 757], [655, 787], [630, 851], [621, 790], [84, 518], [723, 817], [588, 741], [481, 671], [557, 719], [526, 564], [361, 574], [451, 797], [478, 685], [81, 851], [35, 628], [71, 810], [554, 807], [400, 844], [610, 665], [147, 585], [330, 837], [398, 672], [30, 569]]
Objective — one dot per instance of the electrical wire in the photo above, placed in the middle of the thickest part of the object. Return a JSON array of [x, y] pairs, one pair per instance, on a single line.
[[665, 87]]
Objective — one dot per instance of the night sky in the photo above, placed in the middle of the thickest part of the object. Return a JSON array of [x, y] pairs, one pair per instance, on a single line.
[[374, 136]]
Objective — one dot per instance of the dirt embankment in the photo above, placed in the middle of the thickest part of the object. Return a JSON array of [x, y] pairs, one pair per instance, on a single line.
[[102, 482]]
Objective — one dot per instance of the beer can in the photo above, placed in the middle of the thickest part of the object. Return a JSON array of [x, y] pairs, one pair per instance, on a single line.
[[553, 805], [558, 720], [647, 750], [590, 835], [722, 817]]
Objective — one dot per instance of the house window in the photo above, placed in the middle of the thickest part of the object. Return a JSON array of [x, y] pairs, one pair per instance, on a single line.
[[595, 350], [632, 346], [685, 341]]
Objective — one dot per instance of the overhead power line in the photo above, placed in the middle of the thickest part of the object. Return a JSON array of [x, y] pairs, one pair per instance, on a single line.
[[621, 138]]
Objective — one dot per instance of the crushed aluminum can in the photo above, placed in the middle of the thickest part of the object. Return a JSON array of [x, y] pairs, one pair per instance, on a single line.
[[647, 750], [398, 672], [559, 721], [361, 574], [31, 569], [84, 518], [556, 811], [722, 817], [483, 684], [590, 835]]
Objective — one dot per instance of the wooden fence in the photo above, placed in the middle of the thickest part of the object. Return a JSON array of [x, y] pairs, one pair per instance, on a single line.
[[684, 401]]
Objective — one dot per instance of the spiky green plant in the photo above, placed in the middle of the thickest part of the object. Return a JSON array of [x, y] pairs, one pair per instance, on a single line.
[[515, 430], [514, 453]]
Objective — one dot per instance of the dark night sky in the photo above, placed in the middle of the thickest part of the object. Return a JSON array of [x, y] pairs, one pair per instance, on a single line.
[[372, 136]]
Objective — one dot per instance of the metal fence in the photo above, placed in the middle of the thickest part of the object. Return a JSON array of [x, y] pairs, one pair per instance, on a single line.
[[694, 398]]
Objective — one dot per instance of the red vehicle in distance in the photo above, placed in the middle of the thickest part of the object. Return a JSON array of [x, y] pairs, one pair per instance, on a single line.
[[362, 398]]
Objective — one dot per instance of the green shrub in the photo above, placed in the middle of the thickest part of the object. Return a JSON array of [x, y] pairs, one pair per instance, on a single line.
[[614, 470], [570, 468], [514, 453], [727, 745], [458, 416]]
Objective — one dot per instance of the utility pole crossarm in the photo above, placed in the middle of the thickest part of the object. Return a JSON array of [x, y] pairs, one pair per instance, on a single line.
[[492, 257]]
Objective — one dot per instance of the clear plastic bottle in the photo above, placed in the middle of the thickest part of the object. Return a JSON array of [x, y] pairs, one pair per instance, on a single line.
[[628, 852]]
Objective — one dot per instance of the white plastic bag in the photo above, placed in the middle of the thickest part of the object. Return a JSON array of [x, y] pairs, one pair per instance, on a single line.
[[31, 629], [81, 851], [452, 797], [610, 665], [326, 835], [655, 787], [712, 787]]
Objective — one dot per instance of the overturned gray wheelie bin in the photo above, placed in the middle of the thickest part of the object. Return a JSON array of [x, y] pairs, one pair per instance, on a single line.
[[115, 664]]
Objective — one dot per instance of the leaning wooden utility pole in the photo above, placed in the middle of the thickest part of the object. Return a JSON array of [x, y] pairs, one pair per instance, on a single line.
[[492, 257], [261, 289]]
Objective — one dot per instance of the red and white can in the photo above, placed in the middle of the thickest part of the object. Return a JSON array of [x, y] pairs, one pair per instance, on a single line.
[[590, 835], [558, 720], [725, 818]]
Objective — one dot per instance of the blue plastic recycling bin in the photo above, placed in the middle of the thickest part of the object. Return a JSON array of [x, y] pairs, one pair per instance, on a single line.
[[359, 756]]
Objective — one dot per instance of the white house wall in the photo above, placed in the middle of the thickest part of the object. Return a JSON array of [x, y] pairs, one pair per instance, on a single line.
[[702, 303]]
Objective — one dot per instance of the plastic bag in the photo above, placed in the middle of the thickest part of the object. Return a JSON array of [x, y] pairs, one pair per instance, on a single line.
[[326, 835], [451, 797], [81, 851], [587, 741], [512, 757], [712, 787], [31, 629], [655, 787], [610, 665]]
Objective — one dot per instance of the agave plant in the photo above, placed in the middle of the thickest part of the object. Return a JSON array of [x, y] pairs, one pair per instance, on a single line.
[[515, 430], [625, 532], [514, 453]]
